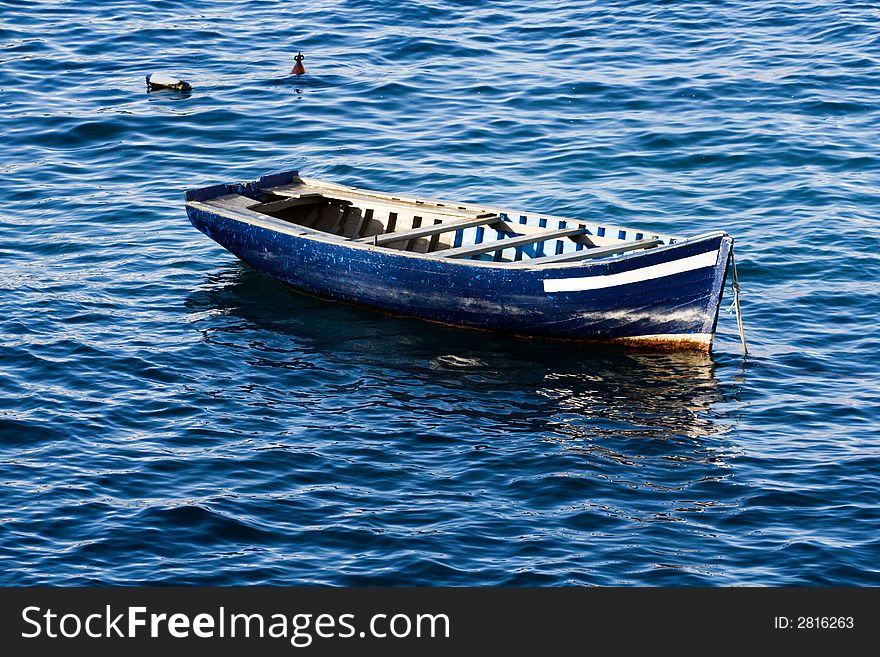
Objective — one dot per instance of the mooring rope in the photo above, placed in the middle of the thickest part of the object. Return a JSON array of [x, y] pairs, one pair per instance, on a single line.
[[739, 321]]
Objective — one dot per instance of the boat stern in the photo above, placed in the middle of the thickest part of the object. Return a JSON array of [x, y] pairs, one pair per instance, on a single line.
[[703, 338]]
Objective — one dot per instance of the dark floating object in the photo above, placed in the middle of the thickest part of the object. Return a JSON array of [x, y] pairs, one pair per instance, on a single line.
[[298, 68], [165, 81], [473, 266]]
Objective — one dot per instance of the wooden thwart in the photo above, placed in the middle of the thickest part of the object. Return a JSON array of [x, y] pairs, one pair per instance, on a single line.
[[365, 198], [291, 193], [587, 254], [428, 231], [283, 204], [233, 202], [237, 207], [522, 240]]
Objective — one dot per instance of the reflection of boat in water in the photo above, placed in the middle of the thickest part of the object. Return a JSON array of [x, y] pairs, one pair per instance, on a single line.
[[595, 436], [572, 393], [646, 398]]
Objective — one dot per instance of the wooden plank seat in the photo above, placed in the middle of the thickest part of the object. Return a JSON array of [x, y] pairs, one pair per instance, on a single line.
[[239, 207], [429, 231], [365, 199], [283, 204], [498, 245], [233, 202], [293, 193], [587, 254]]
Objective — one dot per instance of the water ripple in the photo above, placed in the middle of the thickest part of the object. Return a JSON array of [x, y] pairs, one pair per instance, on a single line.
[[169, 416]]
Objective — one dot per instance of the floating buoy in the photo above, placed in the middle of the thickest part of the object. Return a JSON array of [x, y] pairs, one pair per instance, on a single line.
[[165, 81], [298, 68]]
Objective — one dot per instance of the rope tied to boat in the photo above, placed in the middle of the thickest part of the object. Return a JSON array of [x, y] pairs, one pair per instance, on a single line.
[[739, 321]]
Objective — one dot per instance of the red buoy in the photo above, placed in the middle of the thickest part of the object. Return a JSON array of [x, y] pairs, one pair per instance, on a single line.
[[298, 68]]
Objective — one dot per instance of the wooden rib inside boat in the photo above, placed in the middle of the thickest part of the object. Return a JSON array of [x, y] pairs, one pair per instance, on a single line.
[[437, 229]]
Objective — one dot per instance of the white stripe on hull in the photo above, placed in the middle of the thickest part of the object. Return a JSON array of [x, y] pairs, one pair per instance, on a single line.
[[579, 284]]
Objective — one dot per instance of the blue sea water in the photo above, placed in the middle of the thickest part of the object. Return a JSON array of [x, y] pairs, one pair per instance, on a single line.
[[169, 416]]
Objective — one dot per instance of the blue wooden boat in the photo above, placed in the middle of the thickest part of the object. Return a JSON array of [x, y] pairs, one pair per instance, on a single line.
[[474, 266]]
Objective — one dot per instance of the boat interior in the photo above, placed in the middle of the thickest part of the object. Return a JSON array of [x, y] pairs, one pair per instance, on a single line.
[[436, 229]]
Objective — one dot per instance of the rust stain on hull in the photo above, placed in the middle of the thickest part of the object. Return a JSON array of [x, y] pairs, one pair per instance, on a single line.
[[698, 342]]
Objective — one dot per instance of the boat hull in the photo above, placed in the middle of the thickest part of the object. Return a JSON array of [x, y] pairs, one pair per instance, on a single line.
[[665, 298]]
